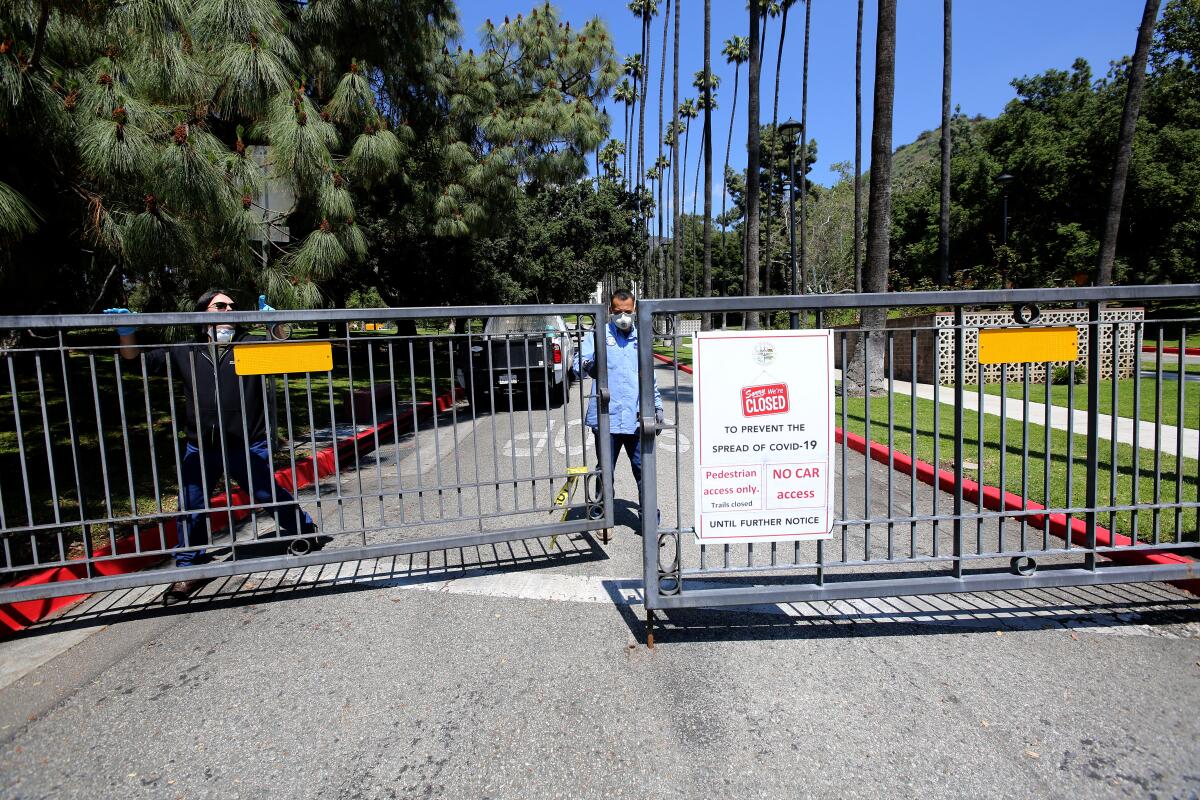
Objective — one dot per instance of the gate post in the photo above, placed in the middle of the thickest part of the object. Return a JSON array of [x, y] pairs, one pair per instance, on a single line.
[[649, 493], [604, 439], [1093, 431], [959, 374]]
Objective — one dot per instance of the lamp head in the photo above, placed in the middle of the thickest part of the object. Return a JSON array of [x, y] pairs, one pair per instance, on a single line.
[[790, 129]]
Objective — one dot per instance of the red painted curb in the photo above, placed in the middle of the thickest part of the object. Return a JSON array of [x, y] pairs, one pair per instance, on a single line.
[[1187, 351], [18, 616], [667, 360], [995, 500]]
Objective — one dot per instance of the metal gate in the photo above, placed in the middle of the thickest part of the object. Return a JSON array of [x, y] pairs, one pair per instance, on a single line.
[[1074, 473], [388, 432]]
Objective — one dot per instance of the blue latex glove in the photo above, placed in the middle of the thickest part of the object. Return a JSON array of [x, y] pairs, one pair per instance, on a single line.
[[122, 330], [262, 303]]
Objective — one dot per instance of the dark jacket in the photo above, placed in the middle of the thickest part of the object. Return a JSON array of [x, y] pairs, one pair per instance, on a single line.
[[205, 373]]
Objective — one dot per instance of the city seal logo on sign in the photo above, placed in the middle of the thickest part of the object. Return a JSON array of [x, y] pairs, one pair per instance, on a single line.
[[771, 398], [764, 353]]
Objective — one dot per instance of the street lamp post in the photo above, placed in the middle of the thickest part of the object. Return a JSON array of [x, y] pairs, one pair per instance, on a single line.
[[1003, 180], [790, 129]]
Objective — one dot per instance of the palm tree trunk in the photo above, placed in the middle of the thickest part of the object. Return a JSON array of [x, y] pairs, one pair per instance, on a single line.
[[706, 322], [737, 68], [676, 165], [944, 209], [627, 141], [679, 218], [1133, 102], [695, 216], [858, 220], [753, 139], [662, 82], [641, 168], [774, 143], [804, 156], [869, 352]]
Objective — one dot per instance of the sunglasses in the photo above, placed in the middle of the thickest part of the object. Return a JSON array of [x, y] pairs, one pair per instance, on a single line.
[[221, 306]]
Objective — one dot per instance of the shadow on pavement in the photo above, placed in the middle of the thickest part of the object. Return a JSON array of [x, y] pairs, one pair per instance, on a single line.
[[347, 576], [1114, 609]]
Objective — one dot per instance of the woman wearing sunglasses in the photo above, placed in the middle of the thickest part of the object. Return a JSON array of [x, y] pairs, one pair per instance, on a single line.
[[226, 426]]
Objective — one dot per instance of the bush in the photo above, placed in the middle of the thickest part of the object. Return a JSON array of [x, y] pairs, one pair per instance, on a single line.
[[1062, 373]]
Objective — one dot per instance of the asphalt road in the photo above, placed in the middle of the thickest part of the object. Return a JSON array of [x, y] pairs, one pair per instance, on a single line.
[[516, 670]]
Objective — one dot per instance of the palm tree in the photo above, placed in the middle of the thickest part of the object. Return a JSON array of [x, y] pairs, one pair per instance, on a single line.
[[695, 201], [627, 95], [858, 227], [686, 113], [662, 80], [775, 9], [645, 10], [675, 123], [707, 101], [944, 208], [736, 52], [879, 205], [1133, 102], [753, 138], [804, 155]]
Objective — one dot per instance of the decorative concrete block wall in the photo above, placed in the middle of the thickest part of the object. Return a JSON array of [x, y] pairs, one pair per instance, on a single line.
[[1123, 345], [934, 343]]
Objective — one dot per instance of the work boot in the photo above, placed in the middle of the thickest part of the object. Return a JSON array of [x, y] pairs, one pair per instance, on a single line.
[[179, 591]]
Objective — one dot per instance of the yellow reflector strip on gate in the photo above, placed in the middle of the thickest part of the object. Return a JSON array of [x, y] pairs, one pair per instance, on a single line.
[[276, 358], [1028, 345]]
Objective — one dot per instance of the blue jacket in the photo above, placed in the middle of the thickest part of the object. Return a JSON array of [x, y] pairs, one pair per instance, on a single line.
[[622, 380]]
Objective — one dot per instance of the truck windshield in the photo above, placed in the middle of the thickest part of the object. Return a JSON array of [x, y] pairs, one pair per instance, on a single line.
[[527, 324]]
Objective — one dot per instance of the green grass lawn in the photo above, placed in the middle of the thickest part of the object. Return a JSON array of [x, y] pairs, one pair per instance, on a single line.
[[1170, 364], [1169, 409], [682, 350], [1051, 489], [1193, 340]]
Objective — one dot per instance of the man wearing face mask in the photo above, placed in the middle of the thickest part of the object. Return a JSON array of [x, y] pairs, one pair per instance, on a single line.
[[623, 406], [226, 424]]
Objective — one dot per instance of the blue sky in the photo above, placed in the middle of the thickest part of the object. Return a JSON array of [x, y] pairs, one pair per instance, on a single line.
[[993, 43]]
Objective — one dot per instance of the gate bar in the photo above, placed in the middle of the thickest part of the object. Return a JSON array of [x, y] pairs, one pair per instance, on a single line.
[[935, 584], [270, 563]]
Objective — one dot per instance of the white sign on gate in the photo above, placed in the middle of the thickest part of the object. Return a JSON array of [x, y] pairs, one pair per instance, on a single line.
[[763, 435]]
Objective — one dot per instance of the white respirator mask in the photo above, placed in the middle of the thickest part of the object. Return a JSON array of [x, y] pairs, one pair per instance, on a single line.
[[623, 321], [223, 333]]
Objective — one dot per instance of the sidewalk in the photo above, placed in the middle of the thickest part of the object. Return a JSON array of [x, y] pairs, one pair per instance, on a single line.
[[1063, 419]]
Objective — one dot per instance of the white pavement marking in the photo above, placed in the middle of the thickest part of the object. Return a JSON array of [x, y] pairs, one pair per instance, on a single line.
[[666, 442], [538, 438], [948, 610]]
